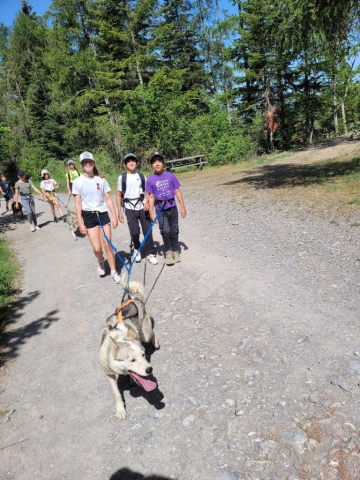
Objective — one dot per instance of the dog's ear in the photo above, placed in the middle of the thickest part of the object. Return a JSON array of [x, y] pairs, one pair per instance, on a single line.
[[131, 334], [114, 344]]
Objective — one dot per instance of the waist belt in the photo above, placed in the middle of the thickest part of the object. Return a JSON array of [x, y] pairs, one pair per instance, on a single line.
[[25, 195], [49, 191], [163, 202]]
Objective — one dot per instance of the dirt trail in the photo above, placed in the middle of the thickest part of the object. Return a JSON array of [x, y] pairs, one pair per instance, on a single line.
[[259, 366]]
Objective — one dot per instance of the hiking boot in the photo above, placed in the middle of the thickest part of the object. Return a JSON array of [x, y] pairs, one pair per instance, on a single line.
[[32, 227], [115, 276], [152, 259], [137, 255], [37, 228], [101, 269], [177, 257], [55, 220], [169, 257]]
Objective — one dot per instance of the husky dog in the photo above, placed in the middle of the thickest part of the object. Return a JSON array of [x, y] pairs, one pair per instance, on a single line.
[[17, 212], [73, 223], [121, 350]]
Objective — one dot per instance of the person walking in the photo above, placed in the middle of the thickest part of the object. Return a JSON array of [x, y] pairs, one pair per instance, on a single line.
[[92, 202], [24, 195], [131, 195], [48, 187], [6, 189], [71, 175], [162, 188]]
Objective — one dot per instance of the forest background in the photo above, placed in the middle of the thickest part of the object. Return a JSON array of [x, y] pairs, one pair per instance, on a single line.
[[181, 76]]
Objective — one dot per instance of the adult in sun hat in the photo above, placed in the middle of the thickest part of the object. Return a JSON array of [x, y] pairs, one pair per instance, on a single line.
[[71, 174], [24, 196], [92, 203], [131, 195]]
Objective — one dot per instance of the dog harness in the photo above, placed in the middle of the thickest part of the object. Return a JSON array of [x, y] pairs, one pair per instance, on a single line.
[[120, 307]]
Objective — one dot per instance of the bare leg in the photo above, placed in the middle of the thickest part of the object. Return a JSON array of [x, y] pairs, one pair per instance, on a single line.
[[110, 255], [94, 237]]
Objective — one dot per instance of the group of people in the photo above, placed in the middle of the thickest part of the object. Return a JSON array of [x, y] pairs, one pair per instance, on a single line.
[[142, 200]]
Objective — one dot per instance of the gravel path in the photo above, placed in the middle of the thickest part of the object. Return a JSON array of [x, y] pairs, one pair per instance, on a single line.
[[259, 366]]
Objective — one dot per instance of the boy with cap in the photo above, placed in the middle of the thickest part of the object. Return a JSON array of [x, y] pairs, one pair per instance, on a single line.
[[162, 188], [92, 202], [131, 194]]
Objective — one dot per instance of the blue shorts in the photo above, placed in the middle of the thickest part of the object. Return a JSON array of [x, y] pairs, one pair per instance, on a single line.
[[8, 196]]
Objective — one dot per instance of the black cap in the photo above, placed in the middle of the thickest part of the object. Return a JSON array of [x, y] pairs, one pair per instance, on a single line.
[[154, 155], [130, 156], [20, 173]]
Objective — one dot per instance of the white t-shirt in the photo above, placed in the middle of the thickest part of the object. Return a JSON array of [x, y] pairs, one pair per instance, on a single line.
[[134, 191], [48, 185], [92, 192]]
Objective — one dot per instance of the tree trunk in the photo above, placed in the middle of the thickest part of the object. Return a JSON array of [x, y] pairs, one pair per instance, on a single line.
[[335, 107]]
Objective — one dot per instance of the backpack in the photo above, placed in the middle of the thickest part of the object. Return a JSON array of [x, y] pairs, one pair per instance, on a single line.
[[123, 185]]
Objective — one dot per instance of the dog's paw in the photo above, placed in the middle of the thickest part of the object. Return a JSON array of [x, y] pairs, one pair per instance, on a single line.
[[120, 413]]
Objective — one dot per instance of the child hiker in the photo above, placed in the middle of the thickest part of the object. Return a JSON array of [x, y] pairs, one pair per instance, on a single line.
[[131, 193], [6, 190], [162, 188], [71, 175], [24, 196], [92, 202], [48, 187]]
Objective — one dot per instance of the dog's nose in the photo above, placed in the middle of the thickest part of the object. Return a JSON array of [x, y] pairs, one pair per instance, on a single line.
[[149, 370]]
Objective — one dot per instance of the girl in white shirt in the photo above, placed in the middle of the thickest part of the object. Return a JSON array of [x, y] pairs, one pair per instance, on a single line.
[[92, 201], [48, 187]]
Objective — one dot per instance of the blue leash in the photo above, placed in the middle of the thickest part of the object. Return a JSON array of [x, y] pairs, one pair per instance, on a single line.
[[128, 269]]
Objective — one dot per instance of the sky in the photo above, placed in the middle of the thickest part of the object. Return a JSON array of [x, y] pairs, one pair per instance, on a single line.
[[10, 8]]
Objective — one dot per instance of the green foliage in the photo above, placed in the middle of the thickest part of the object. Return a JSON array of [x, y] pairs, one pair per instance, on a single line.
[[7, 274]]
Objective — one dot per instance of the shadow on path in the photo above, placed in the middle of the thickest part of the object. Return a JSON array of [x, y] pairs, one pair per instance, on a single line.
[[12, 339], [292, 175], [127, 474]]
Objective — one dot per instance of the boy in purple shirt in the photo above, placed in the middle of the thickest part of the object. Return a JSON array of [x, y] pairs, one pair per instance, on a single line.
[[162, 188]]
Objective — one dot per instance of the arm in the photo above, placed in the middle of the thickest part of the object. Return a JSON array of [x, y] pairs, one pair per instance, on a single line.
[[16, 199], [181, 201], [118, 204], [82, 228], [37, 190], [151, 205], [68, 183], [110, 204]]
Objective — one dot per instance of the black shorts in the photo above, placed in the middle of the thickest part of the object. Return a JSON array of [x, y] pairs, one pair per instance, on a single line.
[[91, 219], [8, 196]]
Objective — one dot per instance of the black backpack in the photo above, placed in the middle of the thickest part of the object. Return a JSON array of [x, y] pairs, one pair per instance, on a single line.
[[123, 185]]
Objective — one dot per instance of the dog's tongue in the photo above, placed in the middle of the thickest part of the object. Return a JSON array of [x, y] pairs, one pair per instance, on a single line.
[[147, 384]]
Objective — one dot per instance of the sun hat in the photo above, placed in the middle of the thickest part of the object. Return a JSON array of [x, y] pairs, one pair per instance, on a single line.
[[43, 171], [69, 162], [20, 173], [154, 155], [130, 156], [86, 156]]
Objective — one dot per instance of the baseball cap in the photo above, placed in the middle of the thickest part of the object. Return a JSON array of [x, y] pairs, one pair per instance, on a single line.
[[69, 162], [154, 155], [130, 156], [43, 171], [86, 156], [20, 173]]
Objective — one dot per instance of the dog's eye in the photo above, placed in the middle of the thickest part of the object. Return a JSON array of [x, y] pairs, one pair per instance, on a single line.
[[133, 360]]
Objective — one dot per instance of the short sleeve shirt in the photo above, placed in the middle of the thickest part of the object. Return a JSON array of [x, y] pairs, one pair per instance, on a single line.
[[5, 186], [72, 175], [134, 192], [92, 192], [24, 187], [163, 188], [48, 185]]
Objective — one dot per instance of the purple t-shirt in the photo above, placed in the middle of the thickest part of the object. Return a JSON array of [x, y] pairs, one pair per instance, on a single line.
[[163, 188]]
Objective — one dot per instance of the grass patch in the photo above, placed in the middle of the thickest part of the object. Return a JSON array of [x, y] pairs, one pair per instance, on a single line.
[[8, 272]]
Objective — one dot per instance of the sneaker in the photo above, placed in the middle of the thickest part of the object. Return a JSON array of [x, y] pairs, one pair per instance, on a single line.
[[115, 276], [64, 219], [101, 269], [37, 228], [137, 255], [169, 257], [177, 257], [32, 228], [152, 259], [55, 220]]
